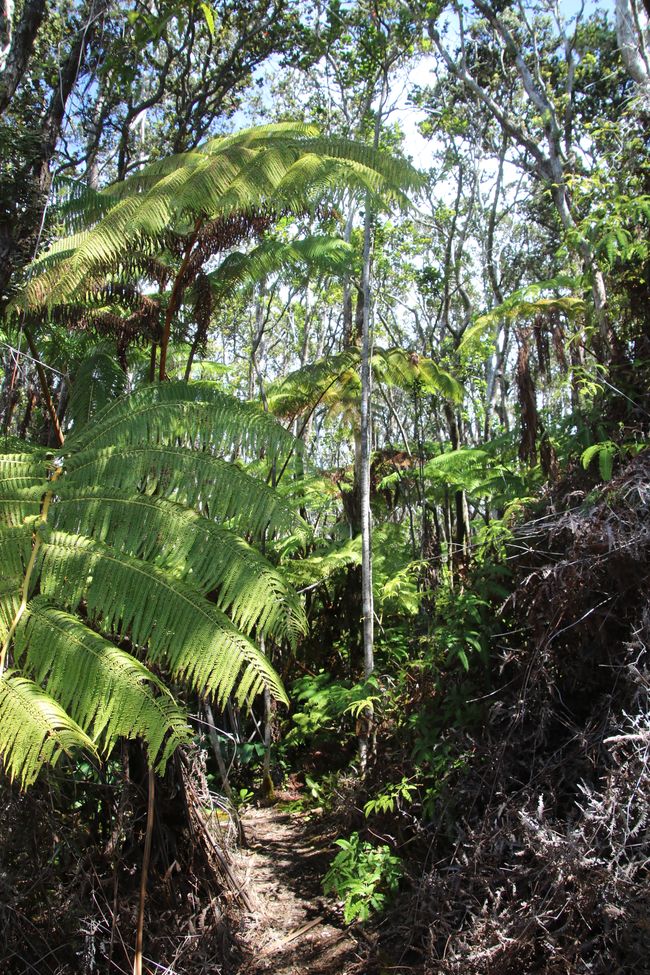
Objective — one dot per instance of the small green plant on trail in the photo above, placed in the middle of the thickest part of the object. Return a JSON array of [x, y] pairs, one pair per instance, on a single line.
[[363, 876]]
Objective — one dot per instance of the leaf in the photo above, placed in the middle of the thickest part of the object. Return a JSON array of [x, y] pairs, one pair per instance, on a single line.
[[132, 583], [105, 690], [525, 304], [209, 17], [34, 730]]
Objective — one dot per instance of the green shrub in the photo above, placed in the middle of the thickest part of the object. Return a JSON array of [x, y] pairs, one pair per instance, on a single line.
[[363, 876]]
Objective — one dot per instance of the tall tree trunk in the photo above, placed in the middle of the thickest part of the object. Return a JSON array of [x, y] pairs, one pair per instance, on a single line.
[[16, 45], [22, 218], [367, 602]]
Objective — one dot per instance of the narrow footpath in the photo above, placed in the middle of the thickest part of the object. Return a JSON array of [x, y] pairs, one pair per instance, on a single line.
[[293, 930]]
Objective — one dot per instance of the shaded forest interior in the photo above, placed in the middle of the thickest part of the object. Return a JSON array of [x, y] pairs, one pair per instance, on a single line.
[[324, 488]]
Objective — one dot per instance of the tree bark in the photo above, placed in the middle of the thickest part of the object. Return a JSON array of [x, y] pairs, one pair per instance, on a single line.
[[22, 219], [16, 45]]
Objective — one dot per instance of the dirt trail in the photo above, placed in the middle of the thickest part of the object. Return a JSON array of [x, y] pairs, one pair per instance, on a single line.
[[294, 930]]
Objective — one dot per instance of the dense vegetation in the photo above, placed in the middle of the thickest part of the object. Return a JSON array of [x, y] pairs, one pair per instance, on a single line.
[[324, 476]]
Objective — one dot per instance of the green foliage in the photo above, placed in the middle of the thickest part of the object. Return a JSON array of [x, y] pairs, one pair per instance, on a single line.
[[395, 573], [326, 560], [98, 380], [607, 452], [391, 796], [617, 225], [34, 729], [525, 304], [286, 167], [323, 704], [363, 876], [113, 570], [459, 633], [327, 255], [334, 382]]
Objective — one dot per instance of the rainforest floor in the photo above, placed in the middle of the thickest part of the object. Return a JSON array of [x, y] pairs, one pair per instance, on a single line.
[[293, 929]]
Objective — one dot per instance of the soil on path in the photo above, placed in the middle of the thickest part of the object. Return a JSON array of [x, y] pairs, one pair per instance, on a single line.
[[294, 930]]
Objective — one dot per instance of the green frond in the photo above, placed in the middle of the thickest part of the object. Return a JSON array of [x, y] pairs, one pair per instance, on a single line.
[[20, 498], [79, 204], [324, 562], [323, 382], [334, 380], [10, 445], [383, 172], [15, 549], [473, 470], [34, 464], [139, 183], [98, 381], [399, 367], [219, 490], [326, 254], [526, 304], [23, 481], [199, 414], [176, 624], [10, 596], [34, 729], [262, 134], [48, 270], [105, 690], [271, 170], [188, 547]]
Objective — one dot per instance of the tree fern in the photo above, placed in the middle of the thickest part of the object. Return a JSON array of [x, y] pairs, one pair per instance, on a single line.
[[526, 304], [275, 169], [101, 687], [334, 380], [197, 414], [326, 254], [188, 547], [218, 489], [124, 552]]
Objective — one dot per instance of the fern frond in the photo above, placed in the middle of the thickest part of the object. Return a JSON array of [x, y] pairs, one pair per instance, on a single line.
[[20, 498], [98, 381], [189, 547], [322, 382], [34, 729], [199, 414], [262, 135], [473, 470], [324, 562], [15, 549], [24, 465], [334, 380], [287, 169], [525, 304], [105, 690], [176, 624], [219, 490], [10, 596], [398, 367], [326, 254]]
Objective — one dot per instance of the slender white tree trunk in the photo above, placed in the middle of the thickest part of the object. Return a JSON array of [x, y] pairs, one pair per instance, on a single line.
[[366, 445], [368, 609]]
